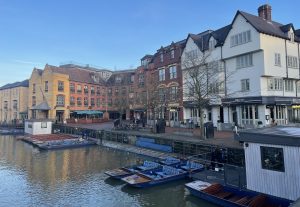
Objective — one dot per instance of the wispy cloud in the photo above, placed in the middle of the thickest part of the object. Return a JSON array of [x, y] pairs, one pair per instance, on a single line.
[[27, 62]]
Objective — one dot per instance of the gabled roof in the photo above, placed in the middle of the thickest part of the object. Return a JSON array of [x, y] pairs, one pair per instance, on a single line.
[[266, 27], [24, 83], [201, 39], [76, 74], [221, 34]]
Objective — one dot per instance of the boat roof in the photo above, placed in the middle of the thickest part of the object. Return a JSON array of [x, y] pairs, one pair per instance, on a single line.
[[279, 135]]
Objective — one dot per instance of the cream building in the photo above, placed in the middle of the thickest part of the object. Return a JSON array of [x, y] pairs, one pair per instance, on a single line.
[[14, 102]]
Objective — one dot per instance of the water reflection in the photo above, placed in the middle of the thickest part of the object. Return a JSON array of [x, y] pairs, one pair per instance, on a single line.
[[75, 177]]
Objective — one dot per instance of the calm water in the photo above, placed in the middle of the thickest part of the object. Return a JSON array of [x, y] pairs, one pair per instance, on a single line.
[[76, 177]]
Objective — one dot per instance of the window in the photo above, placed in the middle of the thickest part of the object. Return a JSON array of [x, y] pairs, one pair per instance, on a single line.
[[292, 62], [277, 59], [212, 43], [130, 89], [5, 105], [131, 78], [291, 36], [141, 79], [43, 124], [92, 90], [60, 86], [191, 91], [275, 84], [86, 89], [109, 91], [79, 89], [123, 90], [86, 101], [103, 101], [98, 102], [289, 85], [191, 55], [173, 72], [173, 93], [172, 54], [240, 38], [15, 104], [272, 158], [116, 90], [245, 83], [60, 100], [92, 102], [33, 88], [98, 91], [72, 101], [244, 61], [46, 86], [249, 114], [79, 103], [72, 87], [161, 73], [161, 94], [161, 57], [33, 100], [118, 79]]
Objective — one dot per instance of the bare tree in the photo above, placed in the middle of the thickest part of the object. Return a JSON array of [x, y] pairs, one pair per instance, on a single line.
[[203, 82]]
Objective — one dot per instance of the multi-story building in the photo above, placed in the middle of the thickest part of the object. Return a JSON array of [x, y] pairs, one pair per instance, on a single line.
[[119, 92], [263, 57], [14, 102], [168, 79], [259, 60]]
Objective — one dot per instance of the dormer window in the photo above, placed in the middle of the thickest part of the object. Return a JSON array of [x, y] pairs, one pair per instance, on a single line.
[[118, 79], [172, 53], [161, 57], [212, 44], [291, 36]]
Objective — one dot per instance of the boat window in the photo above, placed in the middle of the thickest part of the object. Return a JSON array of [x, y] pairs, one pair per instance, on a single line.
[[272, 158]]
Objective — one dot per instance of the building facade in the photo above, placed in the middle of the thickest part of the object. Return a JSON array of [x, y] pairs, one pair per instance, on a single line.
[[168, 81], [14, 102]]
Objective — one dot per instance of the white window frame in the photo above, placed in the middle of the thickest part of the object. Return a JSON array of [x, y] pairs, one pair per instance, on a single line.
[[161, 74], [289, 85], [277, 59], [245, 85], [240, 38], [244, 61], [173, 71]]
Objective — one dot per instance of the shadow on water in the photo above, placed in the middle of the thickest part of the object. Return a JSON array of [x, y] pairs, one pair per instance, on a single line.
[[113, 182]]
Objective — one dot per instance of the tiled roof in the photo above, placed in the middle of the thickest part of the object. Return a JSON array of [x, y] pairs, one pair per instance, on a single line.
[[77, 74], [268, 27], [24, 83], [221, 34], [201, 39]]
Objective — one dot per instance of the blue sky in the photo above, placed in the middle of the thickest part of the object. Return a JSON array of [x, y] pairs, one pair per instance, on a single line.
[[112, 34]]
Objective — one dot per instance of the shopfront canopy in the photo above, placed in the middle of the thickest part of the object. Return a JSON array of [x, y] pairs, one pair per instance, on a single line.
[[88, 112]]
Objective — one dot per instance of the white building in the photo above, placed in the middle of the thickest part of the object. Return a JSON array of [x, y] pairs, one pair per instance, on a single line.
[[37, 127], [260, 58]]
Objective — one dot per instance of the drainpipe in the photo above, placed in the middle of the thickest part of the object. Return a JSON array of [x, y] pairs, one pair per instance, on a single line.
[[286, 60]]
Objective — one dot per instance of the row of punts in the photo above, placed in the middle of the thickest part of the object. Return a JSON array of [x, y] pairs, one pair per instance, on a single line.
[[151, 173]]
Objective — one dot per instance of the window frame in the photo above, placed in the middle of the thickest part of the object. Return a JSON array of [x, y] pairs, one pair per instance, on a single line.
[[263, 158]]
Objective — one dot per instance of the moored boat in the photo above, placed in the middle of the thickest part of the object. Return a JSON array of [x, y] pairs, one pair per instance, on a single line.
[[192, 167], [155, 177], [171, 161], [130, 170], [64, 144], [231, 197]]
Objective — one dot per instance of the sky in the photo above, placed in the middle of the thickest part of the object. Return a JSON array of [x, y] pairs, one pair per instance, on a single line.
[[112, 34]]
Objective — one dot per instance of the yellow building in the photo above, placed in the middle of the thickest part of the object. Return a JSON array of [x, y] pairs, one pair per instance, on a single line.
[[14, 102], [49, 94]]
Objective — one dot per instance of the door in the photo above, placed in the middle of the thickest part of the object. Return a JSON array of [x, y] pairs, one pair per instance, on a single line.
[[59, 116]]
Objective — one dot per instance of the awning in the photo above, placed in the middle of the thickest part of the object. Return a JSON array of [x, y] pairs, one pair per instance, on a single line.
[[296, 107], [42, 106], [139, 110], [87, 112]]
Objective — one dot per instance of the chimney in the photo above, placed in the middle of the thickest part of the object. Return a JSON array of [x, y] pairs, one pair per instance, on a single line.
[[265, 12]]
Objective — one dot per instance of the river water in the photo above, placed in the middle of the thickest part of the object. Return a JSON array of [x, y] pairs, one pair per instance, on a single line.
[[75, 177]]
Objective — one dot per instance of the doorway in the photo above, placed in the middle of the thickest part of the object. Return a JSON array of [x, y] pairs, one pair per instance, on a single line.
[[59, 116]]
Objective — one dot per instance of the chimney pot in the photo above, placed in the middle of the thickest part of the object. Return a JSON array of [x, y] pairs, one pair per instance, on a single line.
[[265, 12]]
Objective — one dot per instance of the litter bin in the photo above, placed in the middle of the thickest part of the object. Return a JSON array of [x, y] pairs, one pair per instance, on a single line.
[[209, 130]]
